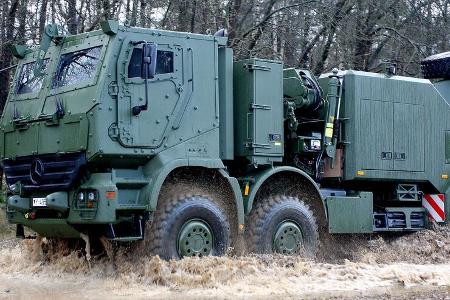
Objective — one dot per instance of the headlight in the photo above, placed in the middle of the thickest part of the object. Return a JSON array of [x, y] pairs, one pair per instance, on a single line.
[[13, 188], [86, 198], [91, 196]]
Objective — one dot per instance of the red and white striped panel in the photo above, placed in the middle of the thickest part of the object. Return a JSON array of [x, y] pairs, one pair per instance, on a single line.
[[434, 204]]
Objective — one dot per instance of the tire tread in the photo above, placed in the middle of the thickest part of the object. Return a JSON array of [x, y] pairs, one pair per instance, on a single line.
[[255, 228]]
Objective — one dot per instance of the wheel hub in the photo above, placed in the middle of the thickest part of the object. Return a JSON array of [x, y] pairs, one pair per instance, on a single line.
[[195, 239], [288, 238]]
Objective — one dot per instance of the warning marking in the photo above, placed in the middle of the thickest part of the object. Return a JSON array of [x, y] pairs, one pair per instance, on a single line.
[[434, 204]]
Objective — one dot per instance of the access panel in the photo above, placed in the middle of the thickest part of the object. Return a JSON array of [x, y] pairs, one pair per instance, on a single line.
[[409, 137], [377, 133], [258, 107]]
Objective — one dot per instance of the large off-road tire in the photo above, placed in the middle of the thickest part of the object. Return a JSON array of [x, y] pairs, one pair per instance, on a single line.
[[282, 224], [436, 66], [188, 226]]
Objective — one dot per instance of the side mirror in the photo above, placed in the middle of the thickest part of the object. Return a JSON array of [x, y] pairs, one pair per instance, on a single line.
[[149, 59]]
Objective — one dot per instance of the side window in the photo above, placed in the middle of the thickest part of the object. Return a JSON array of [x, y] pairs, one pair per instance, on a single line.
[[134, 67], [164, 63]]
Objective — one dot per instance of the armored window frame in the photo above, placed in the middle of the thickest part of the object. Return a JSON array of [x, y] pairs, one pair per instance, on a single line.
[[75, 45], [177, 63], [29, 68], [63, 78], [31, 58]]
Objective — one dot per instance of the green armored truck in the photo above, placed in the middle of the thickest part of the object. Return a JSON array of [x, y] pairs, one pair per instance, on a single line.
[[134, 134]]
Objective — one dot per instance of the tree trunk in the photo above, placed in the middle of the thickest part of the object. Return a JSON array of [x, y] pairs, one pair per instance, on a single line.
[[143, 18], [6, 56], [22, 16], [134, 12], [106, 10], [42, 17], [193, 15], [72, 16]]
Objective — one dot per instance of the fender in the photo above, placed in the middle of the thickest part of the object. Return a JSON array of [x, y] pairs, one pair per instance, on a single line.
[[234, 184], [159, 168], [261, 177]]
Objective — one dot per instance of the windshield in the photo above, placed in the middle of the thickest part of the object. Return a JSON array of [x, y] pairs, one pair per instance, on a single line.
[[28, 83], [77, 67]]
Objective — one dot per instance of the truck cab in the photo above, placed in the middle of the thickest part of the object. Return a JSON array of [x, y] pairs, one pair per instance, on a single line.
[[70, 140]]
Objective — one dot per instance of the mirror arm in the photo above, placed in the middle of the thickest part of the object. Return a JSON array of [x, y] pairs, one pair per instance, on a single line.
[[146, 62], [137, 109]]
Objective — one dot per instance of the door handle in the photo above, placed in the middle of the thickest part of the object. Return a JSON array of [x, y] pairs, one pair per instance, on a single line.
[[400, 156], [386, 155]]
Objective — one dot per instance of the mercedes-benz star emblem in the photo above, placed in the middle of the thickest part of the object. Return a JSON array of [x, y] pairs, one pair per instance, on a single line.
[[36, 171]]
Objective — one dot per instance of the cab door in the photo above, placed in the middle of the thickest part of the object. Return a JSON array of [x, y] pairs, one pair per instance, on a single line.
[[169, 85]]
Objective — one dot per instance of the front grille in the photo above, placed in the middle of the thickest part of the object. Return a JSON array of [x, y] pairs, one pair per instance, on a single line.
[[44, 172]]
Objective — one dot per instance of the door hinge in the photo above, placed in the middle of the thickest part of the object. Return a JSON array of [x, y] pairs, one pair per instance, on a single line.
[[257, 145], [386, 155], [113, 89], [260, 106], [400, 156], [113, 131], [252, 67]]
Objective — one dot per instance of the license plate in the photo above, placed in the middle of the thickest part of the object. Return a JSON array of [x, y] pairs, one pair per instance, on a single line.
[[39, 202]]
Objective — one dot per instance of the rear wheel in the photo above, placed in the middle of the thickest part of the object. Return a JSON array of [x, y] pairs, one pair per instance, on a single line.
[[188, 226], [282, 224]]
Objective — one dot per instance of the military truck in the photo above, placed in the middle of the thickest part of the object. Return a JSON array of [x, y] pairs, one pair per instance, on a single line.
[[159, 137]]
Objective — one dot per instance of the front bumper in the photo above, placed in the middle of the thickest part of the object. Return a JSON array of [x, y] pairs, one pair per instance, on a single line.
[[61, 216], [48, 227], [118, 203]]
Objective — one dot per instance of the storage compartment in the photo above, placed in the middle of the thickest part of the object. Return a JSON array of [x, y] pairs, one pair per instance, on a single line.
[[258, 110], [385, 124], [350, 214], [393, 135]]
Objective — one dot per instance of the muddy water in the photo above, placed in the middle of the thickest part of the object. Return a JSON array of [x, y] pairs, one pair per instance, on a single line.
[[415, 265]]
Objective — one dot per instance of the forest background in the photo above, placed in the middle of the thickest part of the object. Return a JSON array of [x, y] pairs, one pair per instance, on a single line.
[[318, 35]]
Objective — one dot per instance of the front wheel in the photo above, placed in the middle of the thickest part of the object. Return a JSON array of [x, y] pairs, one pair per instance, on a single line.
[[189, 226], [282, 224]]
